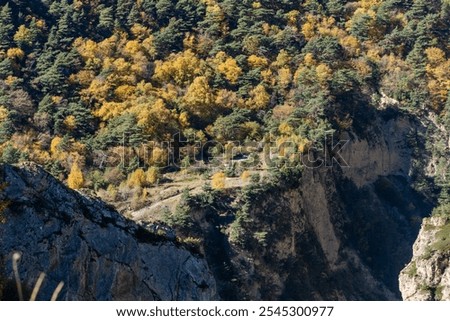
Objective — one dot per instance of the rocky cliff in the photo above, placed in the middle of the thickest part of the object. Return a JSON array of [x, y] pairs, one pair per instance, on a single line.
[[335, 233], [97, 253], [427, 276]]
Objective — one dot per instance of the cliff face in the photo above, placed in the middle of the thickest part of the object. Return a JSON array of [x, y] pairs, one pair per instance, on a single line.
[[97, 253], [427, 276], [337, 233]]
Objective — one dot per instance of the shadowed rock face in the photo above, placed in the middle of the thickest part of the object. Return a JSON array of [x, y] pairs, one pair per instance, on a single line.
[[97, 253]]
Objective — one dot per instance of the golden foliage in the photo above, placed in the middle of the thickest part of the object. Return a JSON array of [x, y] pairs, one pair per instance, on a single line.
[[438, 72], [137, 178], [199, 99], [267, 76], [309, 27], [170, 93], [284, 77], [124, 92], [155, 118], [83, 77], [91, 52], [369, 4], [99, 89], [109, 110], [435, 56], [230, 69], [309, 59], [139, 31], [54, 145], [292, 17], [285, 129], [256, 5], [181, 68], [70, 122], [303, 145], [259, 98], [218, 180], [152, 175], [324, 73], [3, 113], [75, 180], [326, 27], [245, 176], [257, 62], [351, 44], [283, 59], [132, 48], [158, 157], [362, 68], [40, 24], [215, 11], [23, 35], [11, 80], [15, 53], [148, 45], [184, 119], [374, 55]]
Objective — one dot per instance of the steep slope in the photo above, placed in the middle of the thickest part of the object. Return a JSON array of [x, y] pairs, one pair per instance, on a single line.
[[334, 233], [97, 253], [427, 276]]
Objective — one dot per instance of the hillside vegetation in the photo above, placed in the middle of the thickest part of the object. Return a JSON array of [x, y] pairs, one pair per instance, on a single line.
[[85, 82]]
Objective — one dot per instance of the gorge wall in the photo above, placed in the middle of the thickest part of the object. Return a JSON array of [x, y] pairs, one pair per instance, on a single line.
[[427, 276], [338, 233]]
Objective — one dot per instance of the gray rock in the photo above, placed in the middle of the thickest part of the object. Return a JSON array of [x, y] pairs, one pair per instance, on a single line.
[[96, 252], [427, 276]]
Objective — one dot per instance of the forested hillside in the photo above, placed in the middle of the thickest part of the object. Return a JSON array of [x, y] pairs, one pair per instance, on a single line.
[[194, 118], [77, 77]]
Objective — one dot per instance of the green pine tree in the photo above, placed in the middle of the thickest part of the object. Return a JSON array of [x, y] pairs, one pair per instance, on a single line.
[[106, 20], [6, 27]]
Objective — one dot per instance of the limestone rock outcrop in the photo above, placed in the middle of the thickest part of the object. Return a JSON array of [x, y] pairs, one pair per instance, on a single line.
[[96, 252], [427, 276]]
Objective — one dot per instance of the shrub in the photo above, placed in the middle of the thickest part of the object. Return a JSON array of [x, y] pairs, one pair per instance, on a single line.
[[261, 237], [137, 178], [218, 181], [245, 176], [152, 175]]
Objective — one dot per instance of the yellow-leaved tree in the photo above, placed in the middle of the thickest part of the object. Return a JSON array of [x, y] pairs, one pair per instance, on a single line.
[[152, 175], [218, 180], [181, 68], [199, 99], [259, 98], [75, 180], [230, 69], [438, 72], [137, 178]]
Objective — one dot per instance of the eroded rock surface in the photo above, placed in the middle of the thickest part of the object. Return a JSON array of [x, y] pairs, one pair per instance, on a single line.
[[97, 253]]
